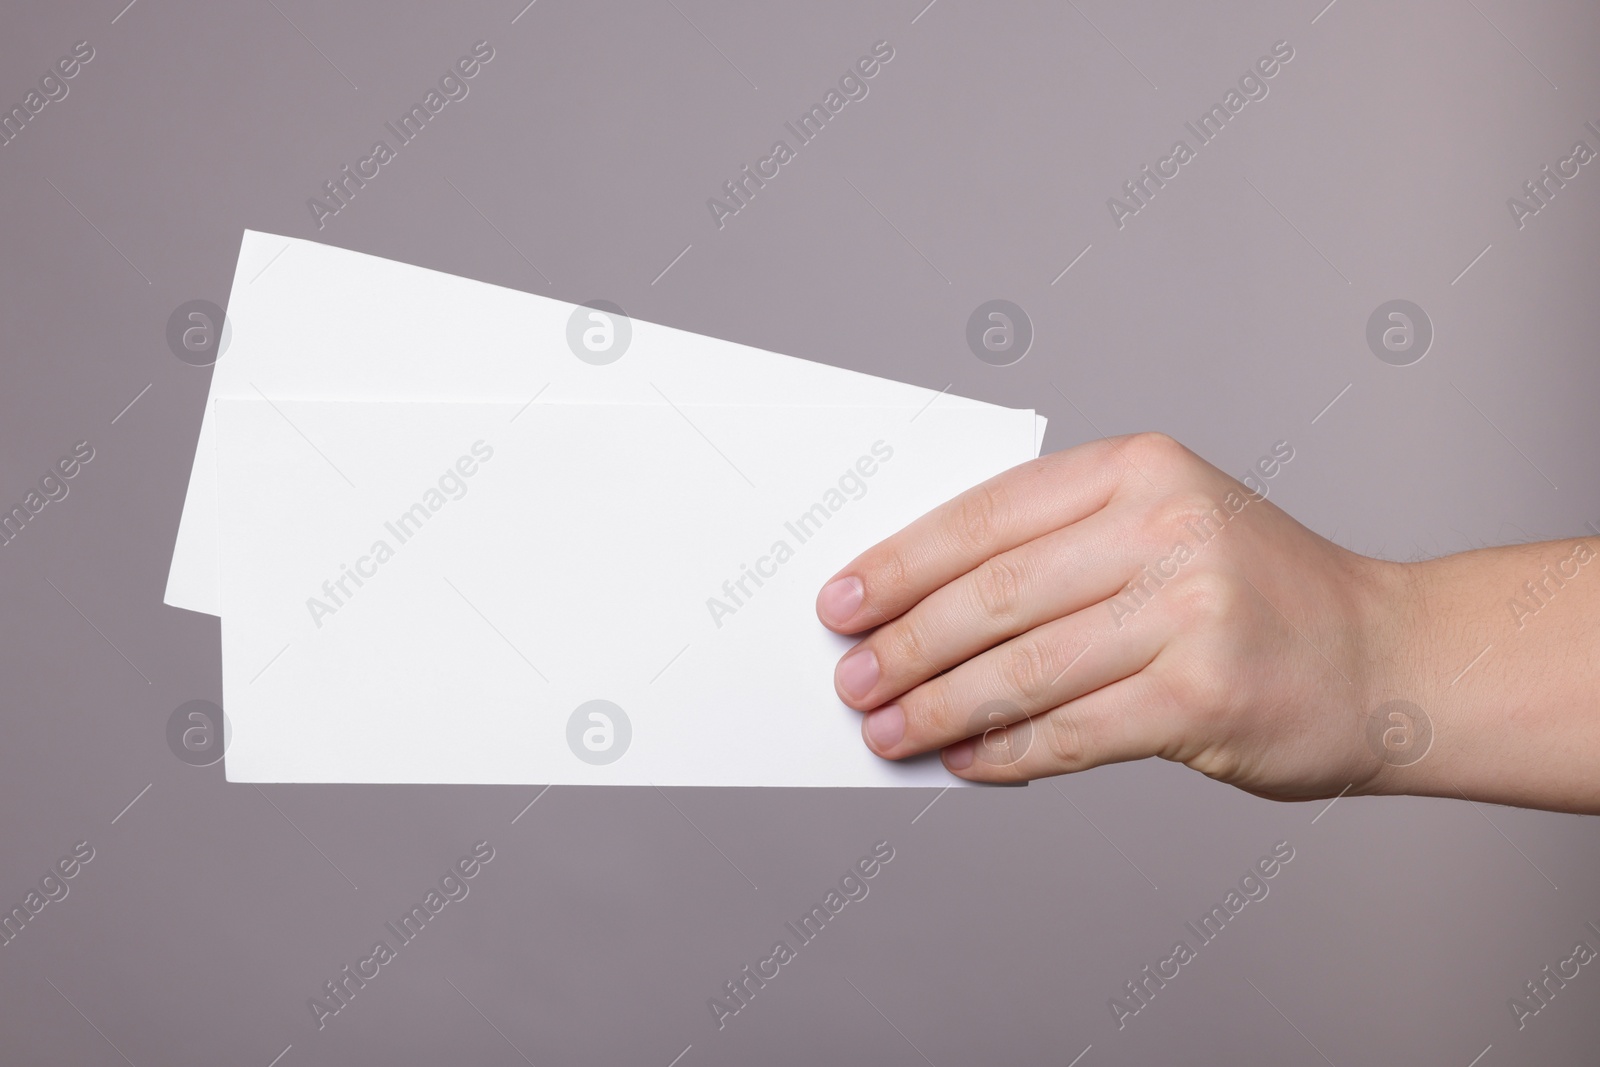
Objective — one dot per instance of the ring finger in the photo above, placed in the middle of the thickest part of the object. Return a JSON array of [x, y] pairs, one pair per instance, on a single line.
[[1041, 669], [1035, 583], [1127, 720]]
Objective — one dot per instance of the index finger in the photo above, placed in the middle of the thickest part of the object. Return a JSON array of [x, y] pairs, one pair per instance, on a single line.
[[1008, 510]]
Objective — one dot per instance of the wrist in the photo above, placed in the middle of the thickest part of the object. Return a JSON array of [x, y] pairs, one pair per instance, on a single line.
[[1403, 728]]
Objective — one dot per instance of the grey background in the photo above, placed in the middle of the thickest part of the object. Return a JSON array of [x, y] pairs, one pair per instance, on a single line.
[[1230, 312]]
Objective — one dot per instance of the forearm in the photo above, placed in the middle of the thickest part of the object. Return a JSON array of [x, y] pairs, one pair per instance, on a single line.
[[1501, 650]]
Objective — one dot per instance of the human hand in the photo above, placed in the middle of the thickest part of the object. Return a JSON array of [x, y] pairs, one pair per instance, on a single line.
[[1119, 600]]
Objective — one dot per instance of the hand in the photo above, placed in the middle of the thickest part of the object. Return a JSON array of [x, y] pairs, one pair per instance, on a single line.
[[1119, 600]]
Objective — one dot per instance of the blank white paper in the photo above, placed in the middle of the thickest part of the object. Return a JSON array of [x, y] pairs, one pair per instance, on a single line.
[[310, 321], [584, 558]]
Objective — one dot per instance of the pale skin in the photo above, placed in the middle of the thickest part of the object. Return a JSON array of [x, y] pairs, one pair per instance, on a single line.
[[1125, 599]]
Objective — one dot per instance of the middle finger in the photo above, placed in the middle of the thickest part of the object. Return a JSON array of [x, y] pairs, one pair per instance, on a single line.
[[1042, 669], [1035, 583]]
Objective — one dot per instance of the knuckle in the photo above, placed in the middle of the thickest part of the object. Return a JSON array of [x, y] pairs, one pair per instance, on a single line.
[[885, 581], [1180, 513], [1026, 668], [1063, 739], [929, 714], [997, 585], [977, 518], [1219, 762], [1206, 597], [1157, 449], [902, 647], [1195, 691]]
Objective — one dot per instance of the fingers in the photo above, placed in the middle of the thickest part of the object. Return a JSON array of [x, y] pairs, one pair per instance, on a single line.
[[1008, 510], [1046, 579], [1128, 720], [1043, 668]]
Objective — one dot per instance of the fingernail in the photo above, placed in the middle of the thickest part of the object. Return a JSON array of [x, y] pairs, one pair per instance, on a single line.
[[885, 727], [840, 600], [858, 673], [958, 757]]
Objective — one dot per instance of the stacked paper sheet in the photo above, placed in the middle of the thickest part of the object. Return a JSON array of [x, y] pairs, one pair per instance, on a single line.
[[458, 533]]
